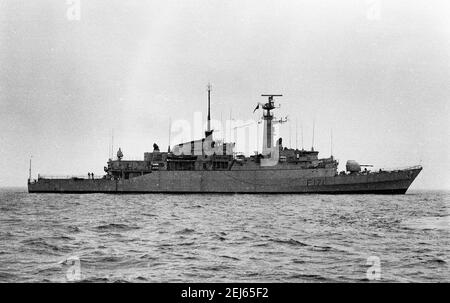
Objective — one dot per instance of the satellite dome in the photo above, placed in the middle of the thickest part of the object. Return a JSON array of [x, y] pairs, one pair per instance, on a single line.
[[352, 166]]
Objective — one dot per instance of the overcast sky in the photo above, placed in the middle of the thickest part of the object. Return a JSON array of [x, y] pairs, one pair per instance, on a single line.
[[375, 72]]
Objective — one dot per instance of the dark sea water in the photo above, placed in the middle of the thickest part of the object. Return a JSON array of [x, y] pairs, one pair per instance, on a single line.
[[223, 238]]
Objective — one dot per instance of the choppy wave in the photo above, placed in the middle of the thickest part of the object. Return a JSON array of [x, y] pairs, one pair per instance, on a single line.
[[290, 242], [185, 231], [428, 223], [116, 226], [199, 238]]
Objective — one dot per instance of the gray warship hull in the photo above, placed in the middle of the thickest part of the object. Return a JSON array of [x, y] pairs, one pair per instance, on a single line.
[[207, 166], [267, 181]]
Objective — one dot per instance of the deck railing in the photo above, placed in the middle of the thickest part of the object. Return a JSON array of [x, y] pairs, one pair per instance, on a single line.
[[70, 177], [97, 177], [389, 169]]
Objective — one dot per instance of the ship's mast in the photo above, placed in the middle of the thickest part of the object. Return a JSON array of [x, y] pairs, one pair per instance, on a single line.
[[290, 136], [29, 172], [112, 144], [208, 130], [229, 138], [170, 131], [268, 123], [301, 128], [331, 143]]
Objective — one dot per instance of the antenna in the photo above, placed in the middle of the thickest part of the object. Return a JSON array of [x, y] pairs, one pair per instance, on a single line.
[[29, 172], [109, 149], [112, 144], [331, 142], [301, 127], [290, 136], [229, 124], [222, 128], [170, 131], [314, 124], [296, 133], [209, 107], [257, 137]]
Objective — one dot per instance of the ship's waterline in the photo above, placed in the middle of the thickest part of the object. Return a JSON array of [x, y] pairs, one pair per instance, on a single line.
[[244, 181]]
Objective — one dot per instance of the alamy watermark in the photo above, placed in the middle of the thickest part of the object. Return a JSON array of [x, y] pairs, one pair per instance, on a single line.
[[373, 10], [374, 271], [73, 12], [73, 272], [246, 136]]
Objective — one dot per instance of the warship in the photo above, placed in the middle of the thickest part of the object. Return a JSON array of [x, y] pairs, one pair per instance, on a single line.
[[208, 166]]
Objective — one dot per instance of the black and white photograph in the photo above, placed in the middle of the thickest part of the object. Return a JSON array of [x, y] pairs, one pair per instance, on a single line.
[[226, 143]]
